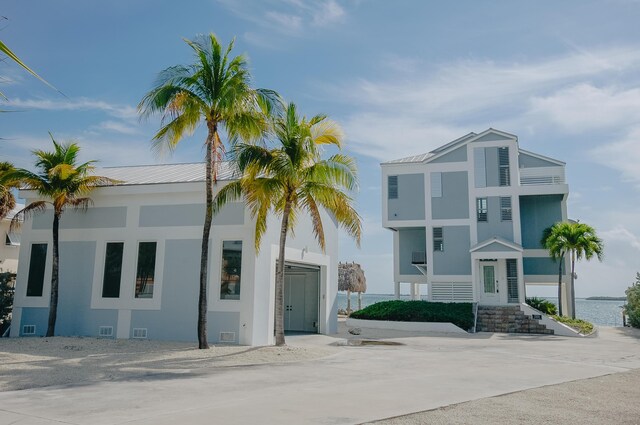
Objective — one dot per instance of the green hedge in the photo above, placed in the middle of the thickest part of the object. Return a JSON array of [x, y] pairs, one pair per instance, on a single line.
[[632, 308], [579, 325], [540, 304], [460, 314]]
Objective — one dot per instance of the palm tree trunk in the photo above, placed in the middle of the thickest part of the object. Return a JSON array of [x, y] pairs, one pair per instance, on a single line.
[[573, 291], [53, 300], [279, 310], [206, 231], [560, 286]]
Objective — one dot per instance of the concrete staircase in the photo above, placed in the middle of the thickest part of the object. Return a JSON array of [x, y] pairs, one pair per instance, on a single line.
[[508, 319]]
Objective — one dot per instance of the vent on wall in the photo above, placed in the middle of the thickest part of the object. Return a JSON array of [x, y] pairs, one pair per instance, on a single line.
[[140, 333], [227, 336], [28, 329], [105, 331]]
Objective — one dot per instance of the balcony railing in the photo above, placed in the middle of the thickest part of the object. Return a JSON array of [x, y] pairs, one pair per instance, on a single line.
[[541, 176]]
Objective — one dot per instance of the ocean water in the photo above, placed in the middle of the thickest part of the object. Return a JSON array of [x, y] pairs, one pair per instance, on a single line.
[[603, 313]]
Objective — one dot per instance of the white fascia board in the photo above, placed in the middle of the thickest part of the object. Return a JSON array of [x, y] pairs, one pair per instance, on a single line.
[[500, 241], [544, 189], [494, 131], [496, 255]]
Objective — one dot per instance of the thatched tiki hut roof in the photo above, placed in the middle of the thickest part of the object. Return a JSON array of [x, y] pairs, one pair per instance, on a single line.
[[351, 278]]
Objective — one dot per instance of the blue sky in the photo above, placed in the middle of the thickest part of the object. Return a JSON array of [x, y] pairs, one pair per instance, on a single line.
[[401, 77]]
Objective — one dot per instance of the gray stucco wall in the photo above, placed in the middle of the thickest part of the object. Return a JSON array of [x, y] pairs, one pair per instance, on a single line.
[[494, 226], [177, 319], [455, 259], [491, 137], [75, 316], [540, 266], [491, 166], [188, 215], [92, 218], [410, 240], [528, 161], [35, 316], [410, 202], [454, 202], [536, 214], [457, 155]]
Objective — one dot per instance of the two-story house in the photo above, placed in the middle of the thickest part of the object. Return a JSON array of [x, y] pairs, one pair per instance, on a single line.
[[468, 219]]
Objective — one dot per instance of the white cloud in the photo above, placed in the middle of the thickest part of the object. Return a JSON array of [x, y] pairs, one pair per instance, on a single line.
[[622, 155], [118, 127], [77, 104], [584, 107], [285, 17], [403, 116]]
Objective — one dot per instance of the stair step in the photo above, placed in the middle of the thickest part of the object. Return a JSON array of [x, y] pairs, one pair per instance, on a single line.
[[509, 319]]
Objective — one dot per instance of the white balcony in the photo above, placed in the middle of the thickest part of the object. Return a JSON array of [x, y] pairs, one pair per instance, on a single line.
[[536, 176]]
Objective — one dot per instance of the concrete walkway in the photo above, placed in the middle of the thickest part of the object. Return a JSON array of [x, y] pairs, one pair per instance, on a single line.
[[357, 384]]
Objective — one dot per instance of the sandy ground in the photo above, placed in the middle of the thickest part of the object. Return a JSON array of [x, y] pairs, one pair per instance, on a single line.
[[610, 399], [41, 362]]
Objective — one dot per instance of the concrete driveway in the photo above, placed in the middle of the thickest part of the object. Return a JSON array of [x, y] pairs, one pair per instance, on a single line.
[[355, 385]]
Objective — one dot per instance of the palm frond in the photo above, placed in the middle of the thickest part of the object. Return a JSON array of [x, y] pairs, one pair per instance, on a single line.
[[26, 213]]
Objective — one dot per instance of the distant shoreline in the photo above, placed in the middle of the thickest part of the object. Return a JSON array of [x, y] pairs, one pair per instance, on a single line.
[[606, 298]]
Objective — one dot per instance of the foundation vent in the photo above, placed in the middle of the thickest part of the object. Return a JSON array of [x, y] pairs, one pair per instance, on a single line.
[[105, 331], [227, 337], [140, 333], [28, 329]]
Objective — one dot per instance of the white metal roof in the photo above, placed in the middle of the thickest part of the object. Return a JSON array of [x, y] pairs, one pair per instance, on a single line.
[[414, 158], [165, 173]]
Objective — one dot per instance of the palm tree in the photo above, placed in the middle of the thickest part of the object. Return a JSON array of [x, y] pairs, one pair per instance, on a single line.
[[7, 200], [291, 179], [215, 89], [61, 182], [576, 239]]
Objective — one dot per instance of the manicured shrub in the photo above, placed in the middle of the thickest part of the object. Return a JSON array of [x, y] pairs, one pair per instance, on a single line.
[[580, 325], [632, 307], [460, 314], [540, 304]]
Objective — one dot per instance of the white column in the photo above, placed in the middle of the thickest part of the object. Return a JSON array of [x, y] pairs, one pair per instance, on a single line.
[[397, 290]]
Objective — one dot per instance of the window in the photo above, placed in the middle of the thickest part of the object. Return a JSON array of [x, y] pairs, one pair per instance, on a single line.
[[505, 208], [438, 239], [146, 269], [503, 164], [112, 270], [393, 187], [231, 270], [12, 239], [37, 263], [481, 207]]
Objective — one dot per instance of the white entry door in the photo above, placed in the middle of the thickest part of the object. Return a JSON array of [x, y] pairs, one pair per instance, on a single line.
[[489, 283]]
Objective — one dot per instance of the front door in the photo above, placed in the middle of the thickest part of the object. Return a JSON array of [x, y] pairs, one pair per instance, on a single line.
[[301, 300], [489, 284]]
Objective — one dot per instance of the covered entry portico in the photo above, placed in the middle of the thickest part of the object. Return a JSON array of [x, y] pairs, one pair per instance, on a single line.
[[497, 272]]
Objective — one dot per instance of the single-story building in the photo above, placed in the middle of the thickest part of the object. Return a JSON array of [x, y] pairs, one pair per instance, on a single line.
[[129, 265]]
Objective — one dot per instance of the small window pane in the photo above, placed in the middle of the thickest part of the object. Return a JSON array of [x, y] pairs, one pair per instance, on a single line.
[[481, 209], [37, 264], [112, 270], [393, 187], [503, 162], [231, 270], [438, 239], [146, 269], [505, 208]]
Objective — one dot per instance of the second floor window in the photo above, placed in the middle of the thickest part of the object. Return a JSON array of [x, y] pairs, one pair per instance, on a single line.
[[392, 187], [503, 166], [438, 239], [505, 208], [481, 206]]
